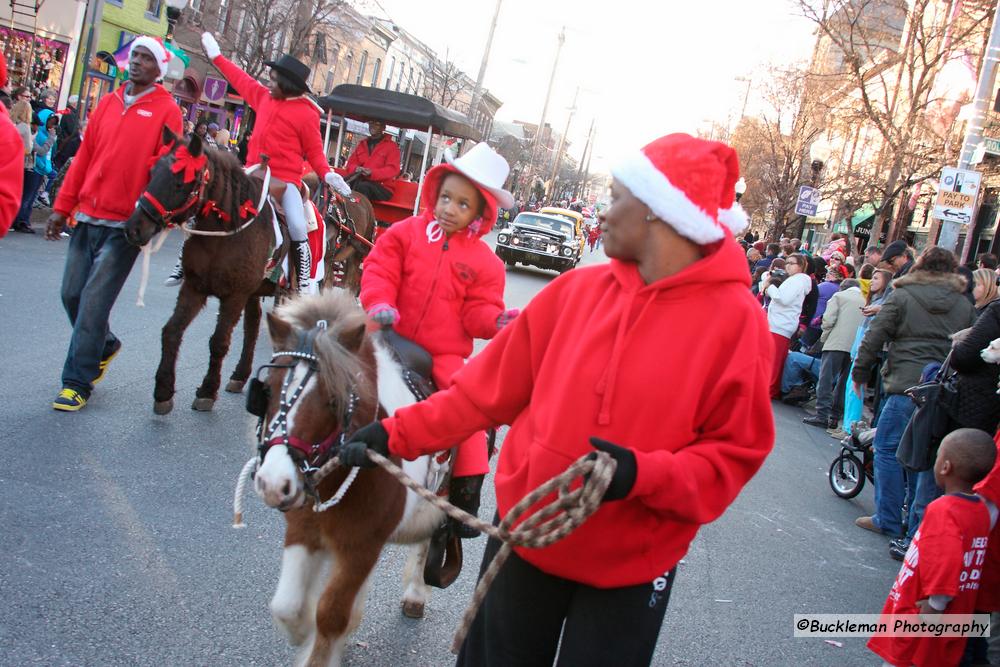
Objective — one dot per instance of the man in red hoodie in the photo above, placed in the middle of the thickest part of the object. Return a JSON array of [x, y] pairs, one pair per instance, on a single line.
[[11, 162], [374, 162], [683, 392], [107, 176]]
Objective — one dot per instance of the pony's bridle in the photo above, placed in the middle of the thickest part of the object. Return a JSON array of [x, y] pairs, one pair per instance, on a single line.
[[161, 215], [308, 456]]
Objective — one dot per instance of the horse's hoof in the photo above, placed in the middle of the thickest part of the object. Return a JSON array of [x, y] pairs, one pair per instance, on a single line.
[[163, 407], [235, 386], [413, 609], [203, 404]]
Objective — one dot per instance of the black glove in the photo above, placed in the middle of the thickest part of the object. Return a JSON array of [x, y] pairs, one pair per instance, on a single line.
[[624, 478], [373, 437]]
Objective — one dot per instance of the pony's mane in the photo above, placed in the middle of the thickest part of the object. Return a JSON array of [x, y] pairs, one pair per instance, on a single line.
[[230, 186], [340, 370]]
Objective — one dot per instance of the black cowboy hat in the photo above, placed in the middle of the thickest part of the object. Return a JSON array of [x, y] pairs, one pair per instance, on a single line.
[[294, 69]]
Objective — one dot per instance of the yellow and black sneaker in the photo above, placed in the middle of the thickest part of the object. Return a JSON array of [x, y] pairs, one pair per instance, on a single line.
[[106, 361], [69, 400]]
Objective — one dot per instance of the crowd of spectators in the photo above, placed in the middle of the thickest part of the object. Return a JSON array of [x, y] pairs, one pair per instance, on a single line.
[[854, 330]]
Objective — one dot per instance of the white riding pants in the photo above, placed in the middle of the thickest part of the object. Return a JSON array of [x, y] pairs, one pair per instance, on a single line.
[[295, 213]]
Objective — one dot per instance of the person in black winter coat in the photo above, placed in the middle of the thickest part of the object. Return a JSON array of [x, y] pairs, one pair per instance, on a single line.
[[978, 401]]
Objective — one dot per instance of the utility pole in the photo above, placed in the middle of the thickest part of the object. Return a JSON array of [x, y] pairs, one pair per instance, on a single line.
[[478, 90], [562, 143], [545, 110], [583, 157], [974, 133], [586, 171]]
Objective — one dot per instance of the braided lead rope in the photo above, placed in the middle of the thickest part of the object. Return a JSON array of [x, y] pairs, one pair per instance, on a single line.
[[339, 495], [544, 527], [241, 484], [152, 247]]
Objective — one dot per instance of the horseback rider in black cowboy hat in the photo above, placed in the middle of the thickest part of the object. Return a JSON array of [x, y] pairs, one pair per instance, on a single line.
[[287, 143]]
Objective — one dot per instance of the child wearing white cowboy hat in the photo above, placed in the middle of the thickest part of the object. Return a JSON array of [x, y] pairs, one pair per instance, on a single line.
[[434, 280]]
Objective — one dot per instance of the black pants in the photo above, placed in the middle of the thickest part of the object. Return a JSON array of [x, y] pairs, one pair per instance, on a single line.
[[373, 191], [526, 611]]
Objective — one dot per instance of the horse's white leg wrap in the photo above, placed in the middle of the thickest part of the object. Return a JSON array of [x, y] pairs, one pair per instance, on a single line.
[[416, 591], [290, 606]]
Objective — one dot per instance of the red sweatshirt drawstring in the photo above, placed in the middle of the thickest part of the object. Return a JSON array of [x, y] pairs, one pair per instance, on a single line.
[[607, 384]]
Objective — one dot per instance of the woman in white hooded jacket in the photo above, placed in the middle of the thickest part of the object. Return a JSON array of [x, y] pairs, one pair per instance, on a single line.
[[784, 311]]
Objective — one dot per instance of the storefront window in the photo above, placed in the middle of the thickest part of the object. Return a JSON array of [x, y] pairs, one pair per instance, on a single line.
[[32, 61]]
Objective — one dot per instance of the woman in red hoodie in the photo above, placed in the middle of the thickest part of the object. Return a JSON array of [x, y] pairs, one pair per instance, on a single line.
[[433, 279], [286, 130], [683, 392]]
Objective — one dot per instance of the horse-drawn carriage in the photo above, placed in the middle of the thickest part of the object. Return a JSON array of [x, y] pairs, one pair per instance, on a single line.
[[407, 112]]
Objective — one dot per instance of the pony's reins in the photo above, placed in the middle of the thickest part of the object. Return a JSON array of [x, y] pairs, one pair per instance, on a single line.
[[167, 216], [188, 227]]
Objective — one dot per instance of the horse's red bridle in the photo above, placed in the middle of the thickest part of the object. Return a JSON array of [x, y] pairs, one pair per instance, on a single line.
[[165, 216]]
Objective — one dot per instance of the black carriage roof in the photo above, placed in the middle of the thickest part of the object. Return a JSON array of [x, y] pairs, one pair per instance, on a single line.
[[399, 109]]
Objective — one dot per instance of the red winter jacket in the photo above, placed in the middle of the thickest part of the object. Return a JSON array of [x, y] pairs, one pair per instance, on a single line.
[[11, 170], [384, 162], [447, 292], [111, 169], [676, 371], [287, 131]]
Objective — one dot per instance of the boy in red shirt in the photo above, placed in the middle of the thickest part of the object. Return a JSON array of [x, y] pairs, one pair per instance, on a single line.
[[434, 280], [942, 568]]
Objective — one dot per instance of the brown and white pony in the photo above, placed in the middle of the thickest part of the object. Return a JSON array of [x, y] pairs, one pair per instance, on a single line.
[[328, 377]]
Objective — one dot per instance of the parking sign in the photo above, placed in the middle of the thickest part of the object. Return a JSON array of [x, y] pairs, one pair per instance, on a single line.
[[808, 202], [956, 196]]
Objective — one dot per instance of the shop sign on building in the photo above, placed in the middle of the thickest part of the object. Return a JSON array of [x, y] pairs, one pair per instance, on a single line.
[[214, 89]]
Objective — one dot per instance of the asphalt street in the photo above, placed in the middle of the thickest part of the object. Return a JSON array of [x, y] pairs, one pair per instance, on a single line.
[[115, 523]]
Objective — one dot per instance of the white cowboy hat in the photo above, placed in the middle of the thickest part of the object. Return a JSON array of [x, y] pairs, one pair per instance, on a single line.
[[486, 168]]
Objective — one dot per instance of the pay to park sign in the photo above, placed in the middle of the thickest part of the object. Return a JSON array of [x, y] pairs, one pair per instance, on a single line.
[[956, 197]]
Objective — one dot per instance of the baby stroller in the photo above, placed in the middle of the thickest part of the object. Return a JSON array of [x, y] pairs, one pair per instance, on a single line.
[[855, 462]]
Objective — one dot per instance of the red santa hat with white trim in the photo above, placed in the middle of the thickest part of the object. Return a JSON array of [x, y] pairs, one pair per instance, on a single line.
[[157, 48], [689, 183]]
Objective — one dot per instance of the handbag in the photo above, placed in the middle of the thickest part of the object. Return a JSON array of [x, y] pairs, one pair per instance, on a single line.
[[929, 424]]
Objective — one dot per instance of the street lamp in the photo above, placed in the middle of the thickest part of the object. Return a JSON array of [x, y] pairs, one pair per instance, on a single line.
[[819, 153], [741, 188], [174, 9]]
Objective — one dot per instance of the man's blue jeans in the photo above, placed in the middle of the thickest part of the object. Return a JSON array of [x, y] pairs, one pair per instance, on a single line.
[[29, 192], [97, 264], [890, 483], [799, 369], [926, 492]]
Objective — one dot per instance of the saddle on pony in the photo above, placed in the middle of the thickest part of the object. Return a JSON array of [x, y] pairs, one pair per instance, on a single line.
[[444, 554]]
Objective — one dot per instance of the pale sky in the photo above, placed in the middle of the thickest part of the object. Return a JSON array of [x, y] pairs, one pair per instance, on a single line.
[[644, 68]]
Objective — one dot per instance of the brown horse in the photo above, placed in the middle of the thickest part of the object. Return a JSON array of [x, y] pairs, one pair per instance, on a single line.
[[328, 377], [350, 236], [193, 180]]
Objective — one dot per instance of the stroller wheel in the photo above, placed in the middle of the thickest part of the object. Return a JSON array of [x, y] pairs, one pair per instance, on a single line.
[[847, 476]]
